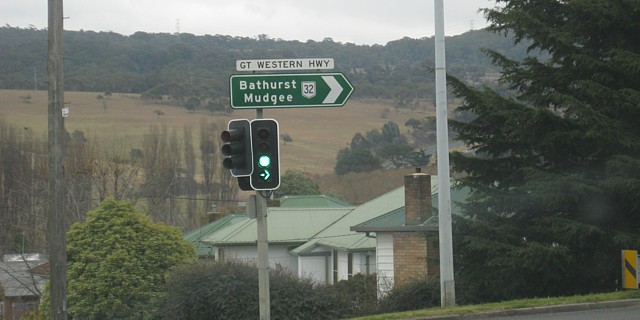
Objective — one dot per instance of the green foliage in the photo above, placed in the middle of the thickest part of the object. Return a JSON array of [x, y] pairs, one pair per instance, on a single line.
[[117, 261], [358, 295], [422, 132], [356, 160], [31, 315], [295, 182], [185, 65], [44, 307], [418, 294], [299, 298], [229, 290], [212, 291], [555, 184], [367, 153], [192, 103]]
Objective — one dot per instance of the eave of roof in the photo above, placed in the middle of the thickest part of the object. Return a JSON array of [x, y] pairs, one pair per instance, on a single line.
[[285, 226], [394, 222], [18, 280], [312, 201], [211, 227]]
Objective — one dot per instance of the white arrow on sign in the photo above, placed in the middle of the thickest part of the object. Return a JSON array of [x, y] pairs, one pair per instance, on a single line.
[[336, 89]]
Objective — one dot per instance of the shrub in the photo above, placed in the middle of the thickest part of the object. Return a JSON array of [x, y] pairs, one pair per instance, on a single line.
[[117, 262], [358, 295], [229, 290], [412, 296], [212, 291], [299, 298]]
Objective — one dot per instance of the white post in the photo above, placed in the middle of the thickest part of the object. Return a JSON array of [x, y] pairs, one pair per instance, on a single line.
[[447, 283], [263, 258], [264, 295]]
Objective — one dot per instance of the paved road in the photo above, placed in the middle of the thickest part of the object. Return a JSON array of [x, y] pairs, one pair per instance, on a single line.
[[622, 313]]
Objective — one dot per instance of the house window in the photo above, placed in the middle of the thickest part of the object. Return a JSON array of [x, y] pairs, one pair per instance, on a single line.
[[349, 265], [335, 266]]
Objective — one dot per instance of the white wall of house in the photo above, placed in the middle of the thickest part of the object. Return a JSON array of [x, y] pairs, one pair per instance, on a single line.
[[320, 267], [313, 267], [384, 261], [343, 260], [278, 255], [362, 264]]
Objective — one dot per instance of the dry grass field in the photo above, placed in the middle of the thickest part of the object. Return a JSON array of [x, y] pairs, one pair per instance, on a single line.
[[318, 133]]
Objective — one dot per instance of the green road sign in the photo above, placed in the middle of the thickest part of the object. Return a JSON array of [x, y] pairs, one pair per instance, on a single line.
[[303, 90]]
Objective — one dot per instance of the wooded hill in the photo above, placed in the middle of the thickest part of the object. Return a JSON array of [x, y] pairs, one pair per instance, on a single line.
[[184, 65]]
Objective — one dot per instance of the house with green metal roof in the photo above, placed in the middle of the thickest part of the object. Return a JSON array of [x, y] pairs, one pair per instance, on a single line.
[[363, 240], [287, 229], [204, 250], [336, 253], [330, 244], [406, 238]]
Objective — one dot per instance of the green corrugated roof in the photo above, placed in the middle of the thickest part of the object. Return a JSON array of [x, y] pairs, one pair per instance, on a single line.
[[327, 227], [312, 201], [339, 235], [396, 217], [393, 218], [384, 211], [197, 235], [285, 225]]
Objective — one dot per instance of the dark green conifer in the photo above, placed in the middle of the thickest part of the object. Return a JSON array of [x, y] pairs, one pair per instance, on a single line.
[[555, 164]]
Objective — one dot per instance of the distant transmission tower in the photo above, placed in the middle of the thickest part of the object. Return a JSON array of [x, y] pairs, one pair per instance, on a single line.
[[471, 25], [177, 26]]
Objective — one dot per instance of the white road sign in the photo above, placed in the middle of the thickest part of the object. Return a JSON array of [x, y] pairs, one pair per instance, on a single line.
[[285, 64]]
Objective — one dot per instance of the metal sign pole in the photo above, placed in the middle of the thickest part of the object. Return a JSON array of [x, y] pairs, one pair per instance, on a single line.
[[263, 251], [447, 284]]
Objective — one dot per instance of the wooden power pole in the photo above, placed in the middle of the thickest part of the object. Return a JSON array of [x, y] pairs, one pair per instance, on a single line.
[[56, 222]]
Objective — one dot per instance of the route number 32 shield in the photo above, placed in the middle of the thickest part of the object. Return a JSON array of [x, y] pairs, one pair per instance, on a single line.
[[308, 89]]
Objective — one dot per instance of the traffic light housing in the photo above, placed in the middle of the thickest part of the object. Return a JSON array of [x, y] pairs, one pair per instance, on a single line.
[[237, 148], [265, 138]]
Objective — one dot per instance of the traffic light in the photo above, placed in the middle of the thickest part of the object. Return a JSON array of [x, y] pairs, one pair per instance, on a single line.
[[237, 148], [266, 154]]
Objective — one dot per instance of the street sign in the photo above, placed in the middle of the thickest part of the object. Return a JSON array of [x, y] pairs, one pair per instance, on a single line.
[[289, 90], [285, 64], [629, 269]]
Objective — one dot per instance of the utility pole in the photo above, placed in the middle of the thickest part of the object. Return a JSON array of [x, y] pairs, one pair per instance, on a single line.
[[56, 222], [447, 283]]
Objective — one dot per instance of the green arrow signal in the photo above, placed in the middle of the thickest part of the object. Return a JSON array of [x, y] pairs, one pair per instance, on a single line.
[[289, 90], [265, 175]]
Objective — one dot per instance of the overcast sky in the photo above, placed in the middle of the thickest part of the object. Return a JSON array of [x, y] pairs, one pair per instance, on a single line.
[[356, 21]]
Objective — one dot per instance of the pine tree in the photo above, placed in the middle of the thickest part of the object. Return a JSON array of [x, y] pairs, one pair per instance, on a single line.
[[555, 169]]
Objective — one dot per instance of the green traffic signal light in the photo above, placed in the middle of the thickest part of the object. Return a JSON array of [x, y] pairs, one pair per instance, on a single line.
[[266, 154], [264, 161]]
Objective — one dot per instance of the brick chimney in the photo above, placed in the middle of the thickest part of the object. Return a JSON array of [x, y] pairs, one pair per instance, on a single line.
[[417, 198]]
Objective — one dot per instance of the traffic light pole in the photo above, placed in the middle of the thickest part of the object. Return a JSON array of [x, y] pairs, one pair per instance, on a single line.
[[263, 257], [263, 251]]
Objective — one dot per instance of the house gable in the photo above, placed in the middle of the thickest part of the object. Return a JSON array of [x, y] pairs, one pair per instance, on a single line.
[[405, 237]]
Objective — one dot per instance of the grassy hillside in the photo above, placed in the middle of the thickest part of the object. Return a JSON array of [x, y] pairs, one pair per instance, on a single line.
[[317, 133]]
